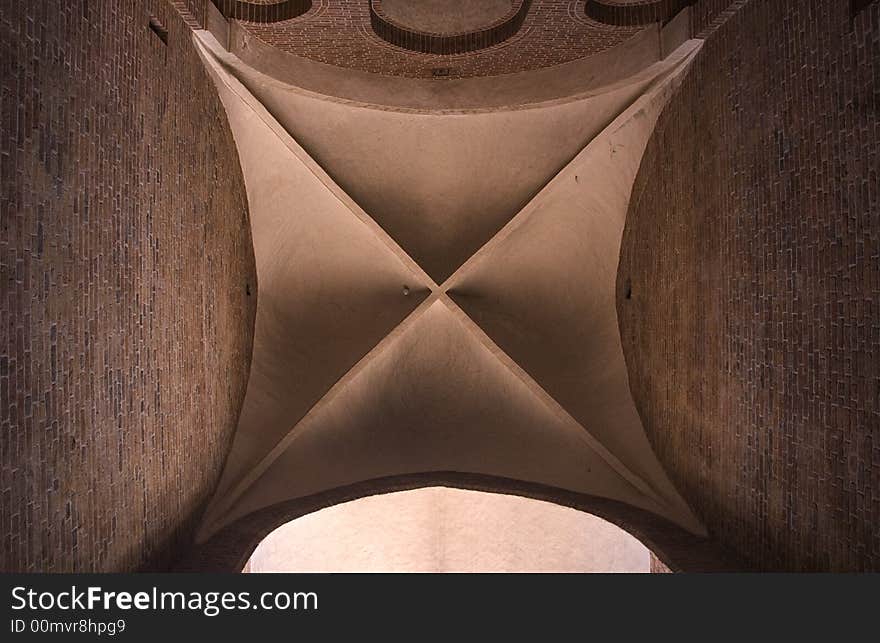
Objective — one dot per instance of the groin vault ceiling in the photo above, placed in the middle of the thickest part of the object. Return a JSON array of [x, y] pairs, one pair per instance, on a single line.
[[260, 258], [423, 307]]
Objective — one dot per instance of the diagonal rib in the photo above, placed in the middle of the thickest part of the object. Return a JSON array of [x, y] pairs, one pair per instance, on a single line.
[[437, 292]]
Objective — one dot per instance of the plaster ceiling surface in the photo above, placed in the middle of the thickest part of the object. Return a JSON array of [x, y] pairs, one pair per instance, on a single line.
[[315, 322], [437, 399], [446, 16], [545, 291], [449, 530], [433, 181], [404, 328]]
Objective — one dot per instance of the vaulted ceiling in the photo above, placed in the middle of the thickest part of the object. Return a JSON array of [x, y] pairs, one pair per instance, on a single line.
[[436, 289]]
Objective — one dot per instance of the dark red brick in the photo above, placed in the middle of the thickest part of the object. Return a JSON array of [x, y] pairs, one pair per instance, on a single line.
[[125, 252], [753, 252]]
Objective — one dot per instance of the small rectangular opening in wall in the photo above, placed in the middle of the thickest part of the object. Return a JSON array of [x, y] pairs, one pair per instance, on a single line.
[[159, 29], [438, 72]]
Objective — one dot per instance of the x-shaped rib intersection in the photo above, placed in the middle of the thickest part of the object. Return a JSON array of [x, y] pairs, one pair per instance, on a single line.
[[556, 433]]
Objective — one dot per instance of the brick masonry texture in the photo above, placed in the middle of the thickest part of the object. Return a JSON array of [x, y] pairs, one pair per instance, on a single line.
[[262, 10], [635, 12], [125, 264], [704, 12], [752, 262], [193, 11], [338, 32]]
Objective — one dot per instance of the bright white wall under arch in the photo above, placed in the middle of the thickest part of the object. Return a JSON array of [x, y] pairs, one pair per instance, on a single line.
[[449, 530]]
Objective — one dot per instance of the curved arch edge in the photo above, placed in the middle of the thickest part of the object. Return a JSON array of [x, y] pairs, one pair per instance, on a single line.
[[229, 549]]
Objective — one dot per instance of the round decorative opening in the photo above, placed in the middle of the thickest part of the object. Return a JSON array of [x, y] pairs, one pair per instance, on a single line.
[[447, 26], [446, 16]]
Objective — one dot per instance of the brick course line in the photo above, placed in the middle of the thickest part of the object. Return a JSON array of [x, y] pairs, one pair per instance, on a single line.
[[125, 260], [753, 257]]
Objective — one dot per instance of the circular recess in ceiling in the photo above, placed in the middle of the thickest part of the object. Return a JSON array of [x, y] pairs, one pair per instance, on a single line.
[[447, 26], [446, 16]]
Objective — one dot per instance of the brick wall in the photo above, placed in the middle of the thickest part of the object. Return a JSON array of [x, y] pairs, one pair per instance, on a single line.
[[704, 12], [195, 11], [752, 251], [125, 256]]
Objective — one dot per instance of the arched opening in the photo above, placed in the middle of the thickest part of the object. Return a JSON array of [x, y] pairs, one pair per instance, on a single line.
[[441, 529], [229, 549]]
